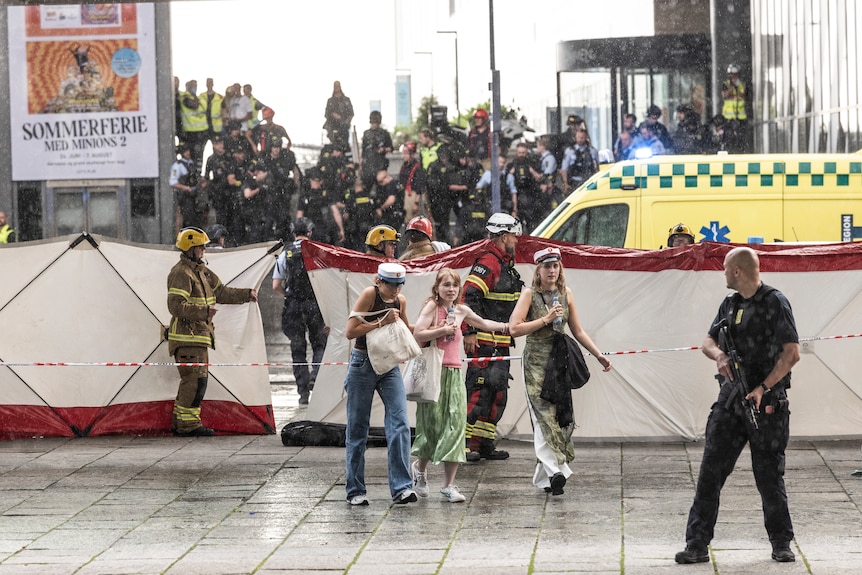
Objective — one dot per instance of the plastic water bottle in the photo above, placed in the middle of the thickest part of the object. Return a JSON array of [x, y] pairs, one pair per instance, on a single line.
[[558, 321], [450, 319]]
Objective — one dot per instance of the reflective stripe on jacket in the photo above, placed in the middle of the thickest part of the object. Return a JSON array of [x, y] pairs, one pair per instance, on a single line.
[[192, 288]]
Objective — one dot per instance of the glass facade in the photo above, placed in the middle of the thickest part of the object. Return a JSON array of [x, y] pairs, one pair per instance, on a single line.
[[806, 76]]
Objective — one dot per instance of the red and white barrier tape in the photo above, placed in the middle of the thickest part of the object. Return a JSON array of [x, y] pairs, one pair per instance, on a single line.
[[187, 364], [291, 364]]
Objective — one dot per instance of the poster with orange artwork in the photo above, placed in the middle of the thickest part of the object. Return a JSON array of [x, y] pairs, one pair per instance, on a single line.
[[83, 91]]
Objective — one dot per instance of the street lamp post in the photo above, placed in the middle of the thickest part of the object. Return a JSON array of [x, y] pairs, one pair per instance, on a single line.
[[495, 117], [457, 99]]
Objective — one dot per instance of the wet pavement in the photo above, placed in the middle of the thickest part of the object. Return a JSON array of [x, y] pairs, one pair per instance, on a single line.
[[247, 504]]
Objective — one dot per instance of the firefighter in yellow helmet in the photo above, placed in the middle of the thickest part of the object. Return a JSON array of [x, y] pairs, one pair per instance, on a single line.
[[193, 291], [381, 241], [679, 235]]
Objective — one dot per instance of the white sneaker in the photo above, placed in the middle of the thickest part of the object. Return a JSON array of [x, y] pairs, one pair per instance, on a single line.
[[406, 496], [452, 495], [358, 500], [420, 480]]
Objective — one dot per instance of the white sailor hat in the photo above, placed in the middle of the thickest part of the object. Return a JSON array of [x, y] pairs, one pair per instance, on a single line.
[[392, 273], [547, 255]]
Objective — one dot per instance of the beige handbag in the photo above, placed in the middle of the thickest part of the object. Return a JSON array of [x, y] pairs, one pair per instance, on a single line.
[[422, 375], [389, 344]]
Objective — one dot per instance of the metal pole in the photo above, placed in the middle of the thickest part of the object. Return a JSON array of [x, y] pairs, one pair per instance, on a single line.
[[495, 117], [457, 82]]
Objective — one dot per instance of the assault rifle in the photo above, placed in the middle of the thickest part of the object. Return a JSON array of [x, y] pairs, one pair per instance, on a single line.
[[725, 342]]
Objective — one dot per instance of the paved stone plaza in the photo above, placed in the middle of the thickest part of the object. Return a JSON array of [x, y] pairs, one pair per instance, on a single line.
[[247, 504]]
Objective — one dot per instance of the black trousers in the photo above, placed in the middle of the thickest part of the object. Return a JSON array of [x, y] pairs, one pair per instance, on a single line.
[[726, 436], [297, 318]]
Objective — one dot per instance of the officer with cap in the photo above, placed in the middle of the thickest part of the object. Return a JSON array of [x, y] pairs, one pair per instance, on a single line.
[[184, 180], [679, 235], [217, 234], [382, 241], [193, 291], [301, 312], [419, 232], [376, 144], [317, 202], [491, 290]]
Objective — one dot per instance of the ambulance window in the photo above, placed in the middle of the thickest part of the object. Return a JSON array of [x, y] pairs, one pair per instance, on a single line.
[[597, 226]]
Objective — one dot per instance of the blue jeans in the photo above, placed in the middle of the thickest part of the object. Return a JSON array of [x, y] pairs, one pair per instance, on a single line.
[[360, 385]]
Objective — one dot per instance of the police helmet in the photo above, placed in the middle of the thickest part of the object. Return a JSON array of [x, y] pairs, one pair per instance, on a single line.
[[733, 69], [215, 232], [501, 223], [421, 224], [379, 234], [301, 226], [189, 238], [679, 230]]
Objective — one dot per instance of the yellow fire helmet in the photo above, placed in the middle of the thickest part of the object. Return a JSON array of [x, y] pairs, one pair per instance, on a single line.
[[379, 234], [191, 237], [679, 230]]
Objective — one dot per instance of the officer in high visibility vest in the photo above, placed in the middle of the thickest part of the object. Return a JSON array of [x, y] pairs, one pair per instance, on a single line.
[[212, 105], [194, 120], [733, 109], [7, 234]]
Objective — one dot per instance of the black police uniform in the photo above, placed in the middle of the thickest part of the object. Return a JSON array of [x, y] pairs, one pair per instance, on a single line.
[[393, 216], [301, 314], [372, 160], [476, 211], [283, 187], [358, 211], [316, 205], [759, 327], [439, 199], [529, 194], [217, 169], [235, 220], [468, 175]]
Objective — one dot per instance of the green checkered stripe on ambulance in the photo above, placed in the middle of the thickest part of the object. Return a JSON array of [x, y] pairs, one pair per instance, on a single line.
[[760, 174]]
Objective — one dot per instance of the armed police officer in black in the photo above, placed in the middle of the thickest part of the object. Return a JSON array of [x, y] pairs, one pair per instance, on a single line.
[[301, 313], [761, 325]]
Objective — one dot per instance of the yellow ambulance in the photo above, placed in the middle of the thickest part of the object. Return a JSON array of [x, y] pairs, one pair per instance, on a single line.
[[751, 198]]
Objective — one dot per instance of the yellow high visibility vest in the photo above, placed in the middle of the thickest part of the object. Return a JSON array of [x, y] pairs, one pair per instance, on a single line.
[[5, 232], [215, 110], [253, 121], [429, 155], [193, 120], [734, 105]]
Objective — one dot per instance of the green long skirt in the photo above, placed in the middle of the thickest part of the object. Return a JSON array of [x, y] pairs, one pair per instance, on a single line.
[[441, 427]]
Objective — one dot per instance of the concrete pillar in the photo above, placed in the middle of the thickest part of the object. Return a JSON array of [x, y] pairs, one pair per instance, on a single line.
[[6, 186]]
